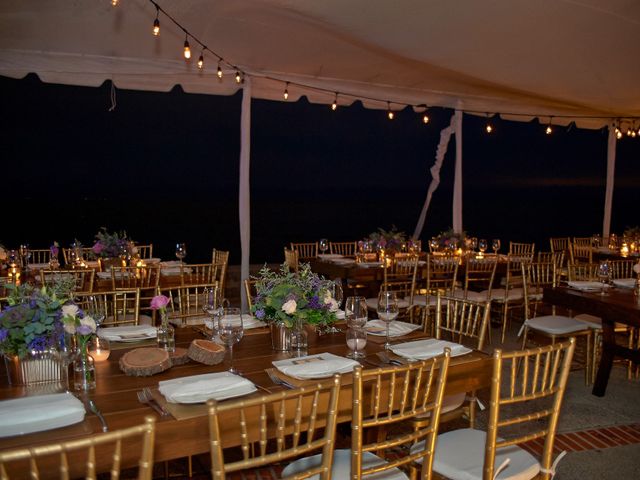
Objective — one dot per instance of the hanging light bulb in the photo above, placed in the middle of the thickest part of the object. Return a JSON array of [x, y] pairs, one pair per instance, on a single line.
[[286, 91], [114, 3], [390, 114], [334, 105], [156, 23], [187, 48], [618, 133], [549, 130], [628, 131], [489, 127], [238, 77], [219, 71], [201, 61]]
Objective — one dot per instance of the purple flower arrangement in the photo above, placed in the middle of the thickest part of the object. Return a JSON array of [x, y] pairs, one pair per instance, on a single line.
[[391, 241], [112, 245]]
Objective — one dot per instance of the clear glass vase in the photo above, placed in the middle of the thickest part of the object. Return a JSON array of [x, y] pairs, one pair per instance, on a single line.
[[299, 342], [166, 334], [84, 372]]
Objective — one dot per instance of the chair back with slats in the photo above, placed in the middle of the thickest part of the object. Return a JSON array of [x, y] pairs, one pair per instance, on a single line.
[[560, 244], [556, 257], [399, 276], [144, 277], [622, 269], [462, 321], [520, 383], [441, 274], [306, 251], [40, 255], [348, 249], [81, 278], [275, 428], [583, 271], [391, 396], [478, 278], [72, 255], [220, 260], [291, 259], [537, 276], [61, 456], [120, 307], [524, 249], [187, 302], [145, 251], [581, 250], [197, 274]]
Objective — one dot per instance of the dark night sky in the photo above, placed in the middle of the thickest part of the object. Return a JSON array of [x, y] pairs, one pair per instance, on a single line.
[[164, 166]]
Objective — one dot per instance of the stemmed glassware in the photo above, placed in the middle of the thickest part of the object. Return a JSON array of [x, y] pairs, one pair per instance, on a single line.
[[231, 331], [25, 254], [495, 244], [604, 273], [323, 245], [387, 310], [181, 251], [482, 246], [356, 316], [433, 244]]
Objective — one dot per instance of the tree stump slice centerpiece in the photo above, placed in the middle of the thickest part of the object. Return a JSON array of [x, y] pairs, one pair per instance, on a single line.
[[206, 351], [144, 362]]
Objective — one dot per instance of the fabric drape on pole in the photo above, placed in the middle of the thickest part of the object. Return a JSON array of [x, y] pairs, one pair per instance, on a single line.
[[441, 151], [611, 171], [244, 198], [457, 181]]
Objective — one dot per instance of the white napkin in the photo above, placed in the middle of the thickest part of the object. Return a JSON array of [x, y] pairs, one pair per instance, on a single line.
[[329, 256], [423, 349], [369, 264], [39, 266], [636, 267], [625, 282], [585, 285], [171, 263], [248, 322], [321, 365], [340, 315], [396, 329], [343, 261], [171, 271], [128, 332], [35, 414], [200, 388]]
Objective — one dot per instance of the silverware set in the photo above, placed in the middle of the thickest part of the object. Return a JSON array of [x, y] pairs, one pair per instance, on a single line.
[[145, 396], [278, 381], [98, 413]]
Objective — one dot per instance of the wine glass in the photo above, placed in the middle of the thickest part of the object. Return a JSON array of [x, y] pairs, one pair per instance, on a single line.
[[433, 244], [230, 330], [495, 244], [210, 306], [387, 310], [356, 341], [323, 244], [482, 246], [25, 254], [181, 251], [355, 311], [604, 272]]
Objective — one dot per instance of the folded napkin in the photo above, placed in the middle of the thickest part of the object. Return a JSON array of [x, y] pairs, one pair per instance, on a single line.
[[340, 315], [329, 256], [171, 271], [151, 261], [171, 263], [35, 414], [396, 329], [423, 349], [128, 332], [200, 388], [585, 285], [107, 275], [369, 264], [248, 322], [625, 282], [343, 261], [322, 365], [39, 266]]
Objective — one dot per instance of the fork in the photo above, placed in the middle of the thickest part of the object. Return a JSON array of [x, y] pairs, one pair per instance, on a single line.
[[145, 396], [279, 381]]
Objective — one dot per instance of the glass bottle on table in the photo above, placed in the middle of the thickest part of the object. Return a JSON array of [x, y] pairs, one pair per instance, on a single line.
[[604, 274], [387, 311]]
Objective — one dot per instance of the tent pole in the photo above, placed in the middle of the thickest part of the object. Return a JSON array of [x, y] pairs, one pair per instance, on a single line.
[[457, 182], [244, 198], [611, 173]]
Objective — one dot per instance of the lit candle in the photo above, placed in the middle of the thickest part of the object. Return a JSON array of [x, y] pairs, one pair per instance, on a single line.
[[99, 349], [100, 355], [624, 250]]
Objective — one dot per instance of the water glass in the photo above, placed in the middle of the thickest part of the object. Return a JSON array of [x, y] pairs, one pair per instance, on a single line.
[[323, 244], [355, 311], [388, 310], [356, 341], [230, 331], [166, 336]]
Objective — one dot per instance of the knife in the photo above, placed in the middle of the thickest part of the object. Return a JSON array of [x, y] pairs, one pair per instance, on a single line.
[[97, 413]]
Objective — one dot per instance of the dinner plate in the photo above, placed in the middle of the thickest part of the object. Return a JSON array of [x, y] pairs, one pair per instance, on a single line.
[[133, 333], [168, 388]]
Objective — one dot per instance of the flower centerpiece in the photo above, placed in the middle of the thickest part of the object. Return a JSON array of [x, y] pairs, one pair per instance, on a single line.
[[450, 239], [83, 327], [392, 241], [112, 245]]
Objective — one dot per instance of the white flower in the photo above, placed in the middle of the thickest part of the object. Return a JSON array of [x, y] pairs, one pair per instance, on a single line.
[[327, 297], [89, 322], [70, 327], [636, 267], [290, 307], [70, 310], [334, 305]]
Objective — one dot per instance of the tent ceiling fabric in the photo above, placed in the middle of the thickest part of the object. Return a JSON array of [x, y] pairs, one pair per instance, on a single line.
[[537, 57]]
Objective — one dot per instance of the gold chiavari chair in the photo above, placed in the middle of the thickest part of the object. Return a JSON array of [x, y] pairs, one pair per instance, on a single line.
[[40, 255], [306, 251], [622, 269], [478, 279], [582, 271], [384, 398], [196, 274], [297, 421], [522, 249], [348, 249], [291, 259], [440, 278], [103, 446], [581, 250], [554, 327], [220, 260], [145, 278], [72, 255], [144, 251], [250, 290], [399, 275], [187, 303], [560, 244], [510, 297], [467, 323], [120, 307], [81, 280], [526, 396]]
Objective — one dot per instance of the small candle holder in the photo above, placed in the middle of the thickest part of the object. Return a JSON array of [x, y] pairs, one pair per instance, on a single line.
[[99, 349]]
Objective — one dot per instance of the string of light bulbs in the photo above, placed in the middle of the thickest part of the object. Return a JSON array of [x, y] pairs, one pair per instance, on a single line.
[[632, 130]]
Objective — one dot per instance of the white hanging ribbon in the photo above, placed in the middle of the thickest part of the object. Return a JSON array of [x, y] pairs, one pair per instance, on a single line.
[[445, 136], [552, 470], [608, 196], [457, 179], [244, 198]]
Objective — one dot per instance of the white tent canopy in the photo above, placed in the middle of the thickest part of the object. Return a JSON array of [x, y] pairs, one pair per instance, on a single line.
[[542, 58]]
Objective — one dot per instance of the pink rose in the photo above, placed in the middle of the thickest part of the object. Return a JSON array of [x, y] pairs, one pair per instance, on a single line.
[[97, 248], [159, 302]]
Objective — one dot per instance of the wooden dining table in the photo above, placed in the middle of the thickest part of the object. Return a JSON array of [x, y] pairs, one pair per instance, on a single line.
[[116, 393], [619, 305]]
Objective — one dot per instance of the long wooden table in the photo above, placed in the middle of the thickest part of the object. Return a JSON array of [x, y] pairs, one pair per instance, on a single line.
[[619, 305], [115, 394]]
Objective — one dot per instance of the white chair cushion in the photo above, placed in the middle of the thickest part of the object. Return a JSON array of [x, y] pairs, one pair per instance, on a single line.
[[556, 324], [460, 456], [591, 320], [449, 403], [426, 300], [471, 295], [372, 303], [342, 466], [498, 294]]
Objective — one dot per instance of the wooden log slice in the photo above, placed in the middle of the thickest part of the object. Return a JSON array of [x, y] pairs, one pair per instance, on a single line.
[[179, 357], [206, 351], [143, 362]]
